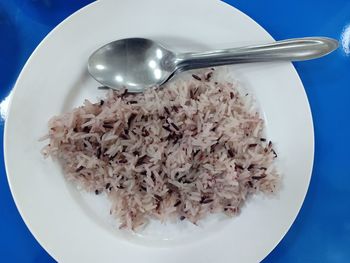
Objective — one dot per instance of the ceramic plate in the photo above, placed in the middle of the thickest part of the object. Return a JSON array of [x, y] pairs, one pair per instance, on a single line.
[[76, 227]]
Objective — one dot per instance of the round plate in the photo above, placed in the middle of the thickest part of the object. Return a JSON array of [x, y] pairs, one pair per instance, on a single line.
[[76, 227]]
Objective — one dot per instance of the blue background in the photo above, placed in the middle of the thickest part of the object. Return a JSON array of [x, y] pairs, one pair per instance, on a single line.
[[321, 232]]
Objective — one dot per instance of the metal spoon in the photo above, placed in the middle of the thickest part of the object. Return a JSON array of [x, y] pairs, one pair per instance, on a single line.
[[138, 63]]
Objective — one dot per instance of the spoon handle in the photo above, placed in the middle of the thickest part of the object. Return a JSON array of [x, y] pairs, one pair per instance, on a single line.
[[287, 50]]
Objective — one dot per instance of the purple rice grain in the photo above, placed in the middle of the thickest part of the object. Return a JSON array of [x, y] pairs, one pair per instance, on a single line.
[[175, 126], [167, 110], [131, 118], [124, 136], [177, 203], [206, 201], [259, 177], [141, 160], [107, 126], [176, 109], [274, 153], [79, 169], [250, 167], [231, 153], [196, 77], [238, 166], [167, 128], [208, 76]]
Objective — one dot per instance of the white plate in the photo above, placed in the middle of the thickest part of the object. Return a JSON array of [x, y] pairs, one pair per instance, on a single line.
[[76, 228]]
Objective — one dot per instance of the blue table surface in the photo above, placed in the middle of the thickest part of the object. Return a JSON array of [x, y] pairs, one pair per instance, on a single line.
[[321, 232]]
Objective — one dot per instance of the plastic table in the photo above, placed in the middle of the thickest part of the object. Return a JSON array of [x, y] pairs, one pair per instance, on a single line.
[[321, 232]]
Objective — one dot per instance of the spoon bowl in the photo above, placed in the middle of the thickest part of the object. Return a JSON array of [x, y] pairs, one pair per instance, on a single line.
[[134, 63]]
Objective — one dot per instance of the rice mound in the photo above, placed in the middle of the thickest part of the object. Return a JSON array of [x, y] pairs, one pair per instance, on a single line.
[[193, 148]]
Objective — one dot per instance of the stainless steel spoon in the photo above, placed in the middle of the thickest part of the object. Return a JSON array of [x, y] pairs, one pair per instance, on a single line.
[[139, 63]]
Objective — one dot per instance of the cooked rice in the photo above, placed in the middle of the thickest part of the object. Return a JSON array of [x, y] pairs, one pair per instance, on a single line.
[[193, 148]]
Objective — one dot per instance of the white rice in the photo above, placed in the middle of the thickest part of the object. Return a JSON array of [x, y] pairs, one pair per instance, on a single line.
[[193, 148]]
